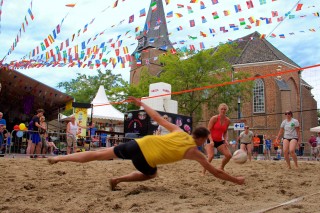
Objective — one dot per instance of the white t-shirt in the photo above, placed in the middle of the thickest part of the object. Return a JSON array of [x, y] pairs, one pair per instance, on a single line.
[[246, 138], [162, 130], [290, 128]]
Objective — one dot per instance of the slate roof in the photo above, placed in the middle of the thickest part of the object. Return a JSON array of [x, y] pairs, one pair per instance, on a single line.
[[283, 86], [253, 50]]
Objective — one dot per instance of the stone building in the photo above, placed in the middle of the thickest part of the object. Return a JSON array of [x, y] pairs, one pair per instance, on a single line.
[[271, 96]]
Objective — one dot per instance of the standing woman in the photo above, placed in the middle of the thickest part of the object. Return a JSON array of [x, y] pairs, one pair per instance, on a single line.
[[43, 135], [290, 129], [218, 127]]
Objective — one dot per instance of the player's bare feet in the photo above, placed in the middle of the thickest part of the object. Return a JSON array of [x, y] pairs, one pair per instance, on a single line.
[[52, 161], [113, 183]]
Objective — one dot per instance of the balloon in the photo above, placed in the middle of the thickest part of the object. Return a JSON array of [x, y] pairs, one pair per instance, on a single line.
[[22, 126], [16, 127], [19, 134]]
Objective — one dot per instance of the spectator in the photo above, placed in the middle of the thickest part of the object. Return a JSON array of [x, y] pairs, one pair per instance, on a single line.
[[301, 149], [3, 132], [256, 144], [72, 129], [34, 136], [43, 135], [246, 140], [3, 122], [290, 129], [267, 147], [313, 144], [318, 144], [161, 130]]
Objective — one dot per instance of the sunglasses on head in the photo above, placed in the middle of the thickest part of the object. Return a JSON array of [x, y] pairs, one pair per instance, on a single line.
[[288, 113]]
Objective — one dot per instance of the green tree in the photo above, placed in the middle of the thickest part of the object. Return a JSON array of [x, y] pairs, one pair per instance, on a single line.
[[186, 72], [85, 87]]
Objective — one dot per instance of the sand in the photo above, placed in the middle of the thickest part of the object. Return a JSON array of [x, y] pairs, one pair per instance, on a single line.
[[34, 186]]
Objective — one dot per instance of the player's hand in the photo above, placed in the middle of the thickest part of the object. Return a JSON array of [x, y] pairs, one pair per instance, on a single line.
[[136, 101]]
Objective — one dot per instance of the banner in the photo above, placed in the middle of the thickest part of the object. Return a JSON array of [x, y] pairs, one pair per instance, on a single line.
[[81, 119]]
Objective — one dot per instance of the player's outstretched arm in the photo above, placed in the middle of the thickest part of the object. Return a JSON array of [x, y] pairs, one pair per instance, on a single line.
[[194, 154], [155, 115]]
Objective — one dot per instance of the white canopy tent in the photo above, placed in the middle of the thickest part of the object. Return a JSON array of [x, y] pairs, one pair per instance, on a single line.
[[103, 110], [315, 129]]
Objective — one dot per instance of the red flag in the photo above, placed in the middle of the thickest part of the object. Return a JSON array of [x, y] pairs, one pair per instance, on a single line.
[[299, 7], [131, 19], [46, 42], [249, 4]]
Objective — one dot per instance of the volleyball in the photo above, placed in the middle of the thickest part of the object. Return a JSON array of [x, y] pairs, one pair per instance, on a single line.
[[239, 156]]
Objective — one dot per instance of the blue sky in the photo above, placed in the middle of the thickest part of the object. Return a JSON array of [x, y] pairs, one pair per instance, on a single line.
[[302, 47]]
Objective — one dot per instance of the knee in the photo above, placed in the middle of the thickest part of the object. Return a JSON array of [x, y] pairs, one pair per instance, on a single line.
[[292, 152], [228, 156]]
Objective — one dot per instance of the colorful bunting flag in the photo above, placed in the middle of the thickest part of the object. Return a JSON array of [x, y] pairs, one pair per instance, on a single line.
[[252, 19], [282, 36], [50, 38], [142, 12], [249, 4], [30, 13], [153, 6], [262, 2], [203, 34], [194, 1], [167, 2], [226, 12], [215, 15], [70, 5], [178, 15], [299, 7], [46, 43], [202, 46], [214, 1], [280, 19], [212, 30], [25, 18], [237, 8], [170, 14], [180, 5], [179, 28], [242, 21], [189, 9], [202, 6], [131, 19], [274, 13], [115, 4], [203, 19], [192, 23]]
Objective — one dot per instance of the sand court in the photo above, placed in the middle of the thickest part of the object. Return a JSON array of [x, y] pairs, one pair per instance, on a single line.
[[35, 186]]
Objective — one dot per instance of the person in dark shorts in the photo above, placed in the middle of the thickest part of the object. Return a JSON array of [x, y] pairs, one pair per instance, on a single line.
[[152, 150], [290, 129], [218, 127], [246, 141]]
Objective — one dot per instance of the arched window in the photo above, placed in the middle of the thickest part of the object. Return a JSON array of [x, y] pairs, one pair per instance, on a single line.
[[258, 96]]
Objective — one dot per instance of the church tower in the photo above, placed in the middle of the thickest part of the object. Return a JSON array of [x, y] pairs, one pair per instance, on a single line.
[[152, 42]]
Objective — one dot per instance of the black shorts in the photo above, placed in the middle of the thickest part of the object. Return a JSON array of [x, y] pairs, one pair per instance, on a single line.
[[290, 139], [244, 143], [255, 149], [132, 151], [218, 143]]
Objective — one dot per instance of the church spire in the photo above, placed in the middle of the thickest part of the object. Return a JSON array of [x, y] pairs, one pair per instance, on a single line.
[[155, 32]]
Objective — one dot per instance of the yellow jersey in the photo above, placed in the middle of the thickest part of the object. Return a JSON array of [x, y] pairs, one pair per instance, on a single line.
[[163, 149]]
